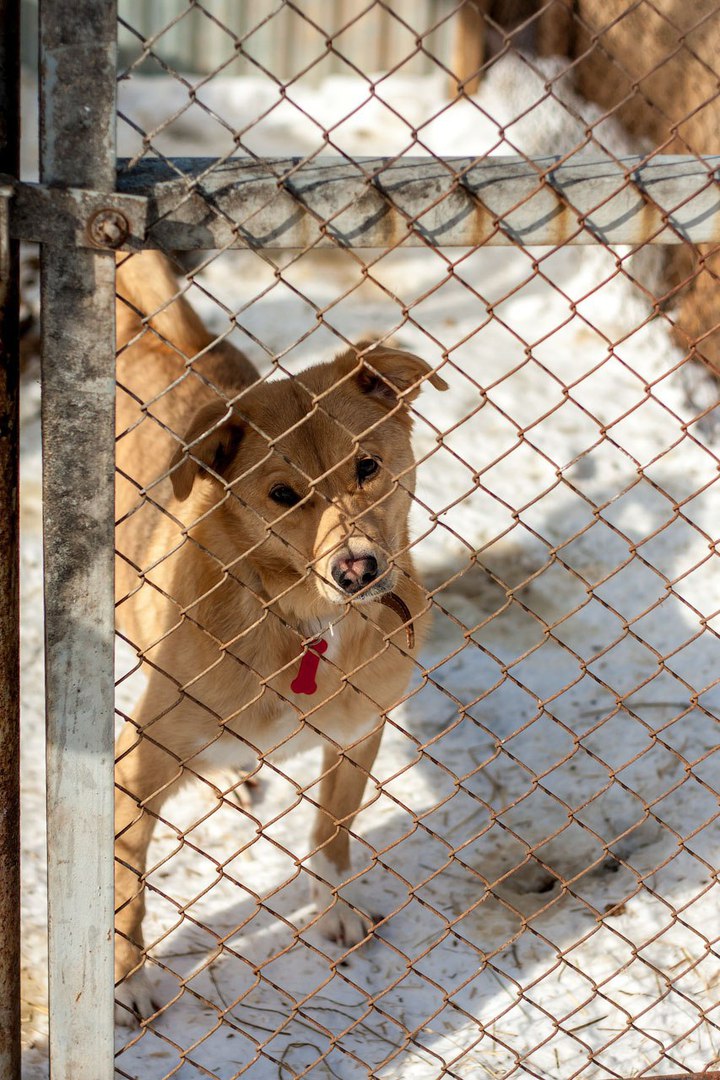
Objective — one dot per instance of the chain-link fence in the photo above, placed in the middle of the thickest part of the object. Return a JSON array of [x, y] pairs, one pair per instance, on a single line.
[[416, 580]]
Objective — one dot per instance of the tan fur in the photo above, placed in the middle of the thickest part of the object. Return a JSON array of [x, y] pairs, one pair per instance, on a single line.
[[654, 66], [481, 30], [219, 586]]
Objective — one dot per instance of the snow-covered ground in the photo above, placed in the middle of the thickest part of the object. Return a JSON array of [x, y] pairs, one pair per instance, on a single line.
[[548, 825]]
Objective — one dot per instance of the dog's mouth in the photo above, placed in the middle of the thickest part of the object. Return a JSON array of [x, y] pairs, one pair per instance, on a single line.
[[381, 591], [382, 586]]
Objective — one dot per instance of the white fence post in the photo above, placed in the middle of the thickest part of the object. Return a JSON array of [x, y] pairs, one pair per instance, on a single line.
[[78, 64]]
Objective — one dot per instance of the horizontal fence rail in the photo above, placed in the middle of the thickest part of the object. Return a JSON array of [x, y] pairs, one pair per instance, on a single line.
[[190, 204], [417, 201]]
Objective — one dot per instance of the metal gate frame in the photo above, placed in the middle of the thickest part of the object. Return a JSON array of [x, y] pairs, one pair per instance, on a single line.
[[80, 212], [10, 561]]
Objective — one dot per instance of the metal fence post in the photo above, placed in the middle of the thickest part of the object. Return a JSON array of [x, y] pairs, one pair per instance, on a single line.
[[9, 599], [77, 87]]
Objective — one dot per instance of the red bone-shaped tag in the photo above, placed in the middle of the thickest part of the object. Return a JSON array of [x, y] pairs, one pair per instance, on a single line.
[[304, 682]]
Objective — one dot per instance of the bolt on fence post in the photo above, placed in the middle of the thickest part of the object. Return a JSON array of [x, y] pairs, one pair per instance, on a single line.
[[9, 559], [77, 136]]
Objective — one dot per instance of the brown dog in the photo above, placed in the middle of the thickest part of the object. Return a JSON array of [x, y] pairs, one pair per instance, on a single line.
[[653, 65], [264, 576]]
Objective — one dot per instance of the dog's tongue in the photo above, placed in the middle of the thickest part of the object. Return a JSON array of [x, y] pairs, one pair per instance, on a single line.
[[393, 601]]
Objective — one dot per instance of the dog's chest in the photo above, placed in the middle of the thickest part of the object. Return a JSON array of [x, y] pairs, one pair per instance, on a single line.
[[316, 693], [329, 685], [305, 701]]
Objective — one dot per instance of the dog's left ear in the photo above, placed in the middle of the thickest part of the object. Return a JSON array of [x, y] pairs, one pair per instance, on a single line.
[[391, 375]]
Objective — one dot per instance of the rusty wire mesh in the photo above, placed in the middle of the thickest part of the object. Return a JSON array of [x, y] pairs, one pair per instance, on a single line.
[[539, 831]]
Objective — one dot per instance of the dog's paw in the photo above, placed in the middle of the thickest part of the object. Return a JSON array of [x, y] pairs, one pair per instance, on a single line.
[[134, 1000], [341, 908], [239, 786], [342, 923]]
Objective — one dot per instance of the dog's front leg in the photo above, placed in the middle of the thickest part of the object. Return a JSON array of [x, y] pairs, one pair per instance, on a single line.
[[144, 776], [345, 774]]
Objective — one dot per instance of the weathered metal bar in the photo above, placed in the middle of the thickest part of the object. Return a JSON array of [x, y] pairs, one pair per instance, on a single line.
[[76, 217], [9, 657], [9, 558], [77, 132], [451, 202], [334, 202], [687, 1076]]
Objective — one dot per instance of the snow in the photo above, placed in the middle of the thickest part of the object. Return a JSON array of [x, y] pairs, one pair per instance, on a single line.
[[544, 840]]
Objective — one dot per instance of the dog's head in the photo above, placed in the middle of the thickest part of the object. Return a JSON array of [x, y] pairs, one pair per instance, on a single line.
[[316, 472]]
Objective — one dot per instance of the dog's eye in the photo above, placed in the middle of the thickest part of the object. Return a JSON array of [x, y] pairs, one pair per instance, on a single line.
[[366, 467], [284, 495]]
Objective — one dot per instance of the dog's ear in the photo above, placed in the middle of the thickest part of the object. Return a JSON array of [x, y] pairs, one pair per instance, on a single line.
[[211, 441], [390, 375]]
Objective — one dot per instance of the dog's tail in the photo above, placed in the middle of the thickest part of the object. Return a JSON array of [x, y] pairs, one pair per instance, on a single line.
[[150, 295]]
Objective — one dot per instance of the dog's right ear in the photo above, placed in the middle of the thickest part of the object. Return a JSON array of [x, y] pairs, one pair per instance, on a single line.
[[210, 444]]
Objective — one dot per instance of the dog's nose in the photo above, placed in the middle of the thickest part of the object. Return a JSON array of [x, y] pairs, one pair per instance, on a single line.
[[355, 572]]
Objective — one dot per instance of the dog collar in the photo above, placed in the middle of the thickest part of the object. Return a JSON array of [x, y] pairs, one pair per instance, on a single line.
[[305, 682], [393, 601]]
